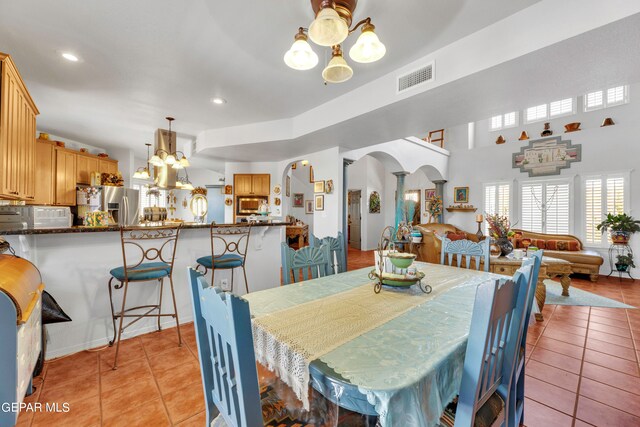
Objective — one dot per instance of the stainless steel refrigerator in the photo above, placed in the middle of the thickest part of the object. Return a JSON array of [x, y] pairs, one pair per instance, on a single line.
[[122, 204]]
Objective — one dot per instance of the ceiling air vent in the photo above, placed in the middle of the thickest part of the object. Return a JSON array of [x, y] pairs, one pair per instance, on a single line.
[[415, 78]]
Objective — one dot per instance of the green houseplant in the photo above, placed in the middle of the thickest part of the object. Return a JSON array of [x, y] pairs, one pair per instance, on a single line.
[[624, 262], [621, 227]]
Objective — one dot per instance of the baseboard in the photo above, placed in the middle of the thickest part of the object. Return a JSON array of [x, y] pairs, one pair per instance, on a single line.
[[65, 351]]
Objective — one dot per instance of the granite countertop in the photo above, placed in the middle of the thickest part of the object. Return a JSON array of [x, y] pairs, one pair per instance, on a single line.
[[83, 229]]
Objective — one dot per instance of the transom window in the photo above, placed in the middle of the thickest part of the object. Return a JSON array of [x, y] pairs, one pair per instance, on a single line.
[[546, 207], [606, 98], [561, 107], [503, 121], [536, 114]]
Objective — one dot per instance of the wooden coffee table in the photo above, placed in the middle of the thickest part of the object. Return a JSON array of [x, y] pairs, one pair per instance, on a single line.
[[549, 268]]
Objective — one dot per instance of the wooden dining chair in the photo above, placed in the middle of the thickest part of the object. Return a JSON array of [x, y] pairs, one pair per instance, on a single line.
[[485, 390], [338, 252], [467, 250], [516, 410], [234, 393], [307, 263]]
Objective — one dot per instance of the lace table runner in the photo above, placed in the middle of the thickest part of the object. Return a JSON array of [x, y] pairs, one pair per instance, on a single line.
[[288, 339]]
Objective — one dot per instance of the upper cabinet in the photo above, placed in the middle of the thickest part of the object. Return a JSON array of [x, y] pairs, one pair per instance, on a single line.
[[85, 165], [108, 166], [65, 177], [17, 134], [45, 173], [252, 184]]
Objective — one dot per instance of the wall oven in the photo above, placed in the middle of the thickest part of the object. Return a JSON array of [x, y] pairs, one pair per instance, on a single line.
[[249, 205]]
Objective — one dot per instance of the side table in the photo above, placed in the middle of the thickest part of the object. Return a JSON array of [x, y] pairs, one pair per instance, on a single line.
[[619, 249]]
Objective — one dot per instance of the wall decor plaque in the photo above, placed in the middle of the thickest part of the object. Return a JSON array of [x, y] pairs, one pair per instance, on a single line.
[[547, 156]]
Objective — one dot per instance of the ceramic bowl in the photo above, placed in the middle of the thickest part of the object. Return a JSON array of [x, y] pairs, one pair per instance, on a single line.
[[572, 127], [401, 259]]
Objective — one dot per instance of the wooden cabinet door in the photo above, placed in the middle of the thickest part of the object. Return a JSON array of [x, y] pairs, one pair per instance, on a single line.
[[17, 135], [85, 165], [44, 174], [108, 166], [65, 178], [260, 184], [243, 184]]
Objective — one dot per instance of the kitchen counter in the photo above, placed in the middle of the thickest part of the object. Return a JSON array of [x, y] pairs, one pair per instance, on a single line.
[[75, 270], [83, 229]]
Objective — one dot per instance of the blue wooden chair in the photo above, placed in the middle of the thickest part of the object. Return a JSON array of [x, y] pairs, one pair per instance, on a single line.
[[468, 250], [228, 251], [233, 393], [516, 410], [338, 252], [309, 262], [491, 353]]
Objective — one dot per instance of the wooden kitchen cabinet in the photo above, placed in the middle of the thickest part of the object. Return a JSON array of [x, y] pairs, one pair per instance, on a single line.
[[85, 165], [17, 134], [108, 166], [65, 177], [252, 184], [45, 193]]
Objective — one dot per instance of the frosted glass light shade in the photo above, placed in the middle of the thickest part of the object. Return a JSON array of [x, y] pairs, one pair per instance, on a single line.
[[155, 160], [137, 175], [170, 160], [177, 165], [367, 48], [301, 56], [179, 184], [328, 29], [337, 71], [184, 162], [187, 186]]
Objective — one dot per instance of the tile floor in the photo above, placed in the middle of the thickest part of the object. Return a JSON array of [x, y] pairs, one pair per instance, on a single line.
[[582, 370]]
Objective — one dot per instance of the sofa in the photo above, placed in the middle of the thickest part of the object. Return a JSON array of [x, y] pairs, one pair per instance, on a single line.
[[564, 246], [431, 246]]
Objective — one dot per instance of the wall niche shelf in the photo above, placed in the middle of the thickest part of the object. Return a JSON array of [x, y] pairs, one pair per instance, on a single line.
[[461, 209]]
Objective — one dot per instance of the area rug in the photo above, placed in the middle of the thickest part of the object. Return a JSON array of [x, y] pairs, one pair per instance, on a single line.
[[578, 297]]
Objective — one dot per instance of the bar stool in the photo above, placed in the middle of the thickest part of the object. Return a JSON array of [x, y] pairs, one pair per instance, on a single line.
[[154, 249], [228, 251]]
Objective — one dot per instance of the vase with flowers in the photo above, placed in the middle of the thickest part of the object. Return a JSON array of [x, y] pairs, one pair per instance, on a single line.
[[500, 230]]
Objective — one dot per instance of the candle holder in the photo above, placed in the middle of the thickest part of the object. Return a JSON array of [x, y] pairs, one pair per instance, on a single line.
[[479, 233]]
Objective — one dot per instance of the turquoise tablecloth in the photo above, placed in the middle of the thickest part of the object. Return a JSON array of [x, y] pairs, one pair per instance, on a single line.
[[410, 367]]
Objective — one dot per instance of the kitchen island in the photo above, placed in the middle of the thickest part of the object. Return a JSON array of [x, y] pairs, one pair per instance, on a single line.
[[75, 264]]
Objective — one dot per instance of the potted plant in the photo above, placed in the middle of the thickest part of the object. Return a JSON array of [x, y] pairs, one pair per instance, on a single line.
[[621, 227], [624, 262]]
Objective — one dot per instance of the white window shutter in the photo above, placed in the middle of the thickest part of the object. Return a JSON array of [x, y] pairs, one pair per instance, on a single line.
[[557, 209], [593, 210], [531, 218], [615, 195]]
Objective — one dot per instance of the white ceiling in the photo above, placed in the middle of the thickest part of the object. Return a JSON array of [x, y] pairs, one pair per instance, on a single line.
[[143, 60], [599, 58]]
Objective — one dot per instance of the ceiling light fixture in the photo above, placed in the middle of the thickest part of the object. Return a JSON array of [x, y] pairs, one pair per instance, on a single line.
[[218, 101], [70, 57], [331, 28], [175, 159], [184, 183], [143, 171]]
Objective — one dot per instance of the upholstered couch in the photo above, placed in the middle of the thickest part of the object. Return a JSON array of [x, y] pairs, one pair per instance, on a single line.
[[567, 247], [431, 246]]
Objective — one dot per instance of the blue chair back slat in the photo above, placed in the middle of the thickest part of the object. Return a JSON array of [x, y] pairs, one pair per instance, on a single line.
[[468, 250], [311, 262], [225, 350], [338, 252], [492, 345]]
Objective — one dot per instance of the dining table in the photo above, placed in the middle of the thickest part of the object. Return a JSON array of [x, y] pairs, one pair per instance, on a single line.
[[397, 354]]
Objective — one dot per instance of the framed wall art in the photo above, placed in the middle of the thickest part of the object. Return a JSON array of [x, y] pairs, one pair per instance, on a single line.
[[461, 195], [311, 179], [298, 200], [547, 156], [328, 186], [228, 189], [287, 187], [308, 206], [318, 187], [319, 202], [429, 193], [374, 202]]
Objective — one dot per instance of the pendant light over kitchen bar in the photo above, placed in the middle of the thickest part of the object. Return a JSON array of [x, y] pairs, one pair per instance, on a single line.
[[171, 157]]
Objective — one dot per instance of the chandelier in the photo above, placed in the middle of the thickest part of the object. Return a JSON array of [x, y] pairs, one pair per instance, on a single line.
[[183, 183], [170, 158], [330, 28]]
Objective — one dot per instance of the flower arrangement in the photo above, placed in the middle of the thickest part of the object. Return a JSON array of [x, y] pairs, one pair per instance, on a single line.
[[434, 207], [499, 226], [96, 219], [90, 191]]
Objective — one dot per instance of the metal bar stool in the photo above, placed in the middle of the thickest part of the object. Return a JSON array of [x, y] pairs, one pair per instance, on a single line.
[[228, 251], [154, 248]]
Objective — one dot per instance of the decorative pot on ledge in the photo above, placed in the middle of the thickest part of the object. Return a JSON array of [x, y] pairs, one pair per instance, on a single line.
[[505, 246], [620, 237]]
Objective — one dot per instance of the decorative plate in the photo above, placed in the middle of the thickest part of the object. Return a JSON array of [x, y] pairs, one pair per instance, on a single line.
[[277, 189], [228, 201]]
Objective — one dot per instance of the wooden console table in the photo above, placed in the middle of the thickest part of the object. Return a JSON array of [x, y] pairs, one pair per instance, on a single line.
[[550, 268], [301, 232]]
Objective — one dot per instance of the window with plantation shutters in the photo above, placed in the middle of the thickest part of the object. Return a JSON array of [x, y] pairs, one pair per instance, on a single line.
[[497, 199], [603, 194], [546, 207], [606, 98], [562, 107], [147, 201]]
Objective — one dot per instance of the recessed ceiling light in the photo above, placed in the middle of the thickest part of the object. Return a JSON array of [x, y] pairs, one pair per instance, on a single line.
[[218, 101], [70, 57]]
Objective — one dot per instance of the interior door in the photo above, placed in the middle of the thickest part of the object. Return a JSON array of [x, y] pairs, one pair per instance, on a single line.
[[215, 199], [355, 219]]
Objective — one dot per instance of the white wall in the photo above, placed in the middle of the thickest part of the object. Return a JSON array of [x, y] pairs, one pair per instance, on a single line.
[[608, 149]]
